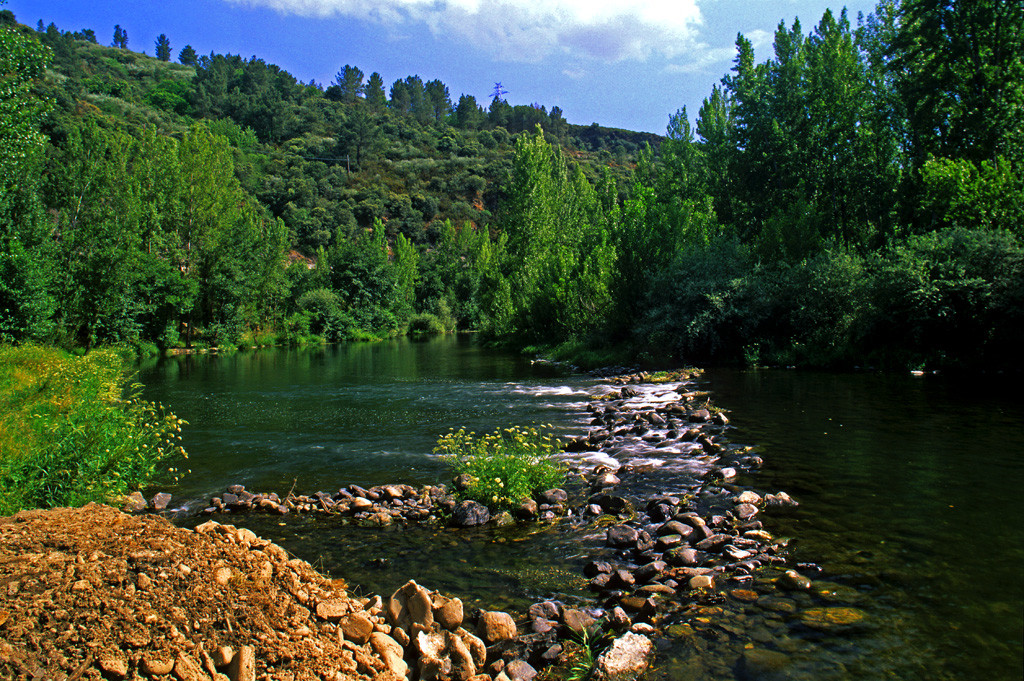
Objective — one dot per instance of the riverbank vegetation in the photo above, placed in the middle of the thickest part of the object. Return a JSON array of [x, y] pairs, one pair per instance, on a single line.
[[856, 198], [73, 430], [504, 467]]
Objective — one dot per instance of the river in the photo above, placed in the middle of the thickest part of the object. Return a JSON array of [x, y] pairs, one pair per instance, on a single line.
[[908, 488]]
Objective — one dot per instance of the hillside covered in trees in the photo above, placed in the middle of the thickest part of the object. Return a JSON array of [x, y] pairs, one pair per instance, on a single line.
[[856, 198]]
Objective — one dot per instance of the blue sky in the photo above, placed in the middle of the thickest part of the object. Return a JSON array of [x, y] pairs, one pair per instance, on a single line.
[[618, 64]]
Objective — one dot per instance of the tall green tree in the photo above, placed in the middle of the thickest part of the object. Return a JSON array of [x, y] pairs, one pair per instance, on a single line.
[[163, 48], [120, 38], [188, 56], [349, 81], [26, 303]]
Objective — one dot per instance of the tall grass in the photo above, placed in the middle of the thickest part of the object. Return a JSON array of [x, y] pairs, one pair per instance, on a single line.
[[74, 430]]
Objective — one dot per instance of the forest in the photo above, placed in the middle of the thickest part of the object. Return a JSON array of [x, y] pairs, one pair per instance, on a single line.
[[854, 199]]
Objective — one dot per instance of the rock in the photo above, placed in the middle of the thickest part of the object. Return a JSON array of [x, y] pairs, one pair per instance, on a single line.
[[477, 648], [727, 473], [361, 504], [527, 510], [745, 511], [463, 665], [470, 513], [331, 610], [222, 575], [713, 543], [626, 658], [155, 665], [390, 652], [496, 626], [160, 500], [759, 663], [410, 605], [222, 656], [622, 536], [187, 669], [612, 504], [462, 482], [577, 621], [596, 567], [553, 496], [114, 666], [824, 619], [682, 556], [779, 500], [520, 670], [619, 619], [135, 502], [701, 582], [748, 497], [356, 627], [700, 416], [449, 613], [650, 571], [675, 527], [792, 579], [433, 664], [745, 595]]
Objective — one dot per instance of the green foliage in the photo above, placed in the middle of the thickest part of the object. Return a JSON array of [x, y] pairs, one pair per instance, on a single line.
[[73, 430], [505, 466], [426, 324]]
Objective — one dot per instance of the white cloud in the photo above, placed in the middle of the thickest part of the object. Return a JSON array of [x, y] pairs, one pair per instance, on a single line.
[[530, 30]]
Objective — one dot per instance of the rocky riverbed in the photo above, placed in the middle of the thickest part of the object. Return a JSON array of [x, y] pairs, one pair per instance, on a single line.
[[653, 503]]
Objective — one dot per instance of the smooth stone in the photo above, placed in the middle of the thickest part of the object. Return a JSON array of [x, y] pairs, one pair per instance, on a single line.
[[356, 627], [577, 621], [748, 497], [675, 527], [520, 670], [650, 571], [745, 511]]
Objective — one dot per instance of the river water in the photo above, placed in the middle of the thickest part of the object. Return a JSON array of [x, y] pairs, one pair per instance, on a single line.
[[909, 490]]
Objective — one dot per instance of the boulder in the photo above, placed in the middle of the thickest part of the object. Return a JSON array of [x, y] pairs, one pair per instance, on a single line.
[[448, 612], [390, 652], [626, 658], [356, 627], [496, 626], [622, 536], [577, 621], [135, 502], [160, 500], [470, 513], [410, 607]]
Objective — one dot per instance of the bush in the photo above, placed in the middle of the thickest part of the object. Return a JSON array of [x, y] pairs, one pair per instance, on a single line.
[[73, 430], [425, 324], [505, 466]]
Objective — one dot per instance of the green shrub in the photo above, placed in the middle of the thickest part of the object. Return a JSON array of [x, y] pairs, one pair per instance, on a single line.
[[425, 324], [73, 430], [505, 466]]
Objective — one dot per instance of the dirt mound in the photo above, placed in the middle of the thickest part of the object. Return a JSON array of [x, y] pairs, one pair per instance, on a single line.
[[92, 593]]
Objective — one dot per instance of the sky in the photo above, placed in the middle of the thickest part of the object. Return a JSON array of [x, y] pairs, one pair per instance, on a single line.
[[620, 64]]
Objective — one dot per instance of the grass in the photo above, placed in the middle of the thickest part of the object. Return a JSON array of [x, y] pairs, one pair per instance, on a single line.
[[74, 430], [505, 466]]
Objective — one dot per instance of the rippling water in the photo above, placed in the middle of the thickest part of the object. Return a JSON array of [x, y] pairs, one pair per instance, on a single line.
[[909, 491]]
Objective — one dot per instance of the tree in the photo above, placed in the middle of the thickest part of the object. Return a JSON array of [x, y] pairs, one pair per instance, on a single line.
[[959, 67], [349, 81], [120, 38], [376, 100], [188, 56], [468, 113], [26, 303], [438, 102], [163, 48]]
